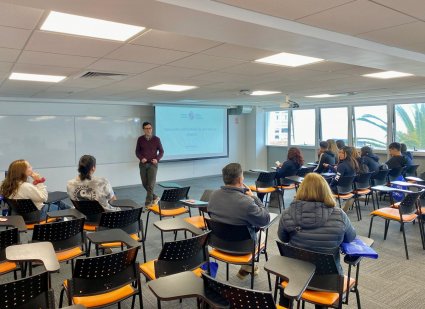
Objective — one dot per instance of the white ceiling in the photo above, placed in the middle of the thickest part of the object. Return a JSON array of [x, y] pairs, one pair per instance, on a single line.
[[213, 45]]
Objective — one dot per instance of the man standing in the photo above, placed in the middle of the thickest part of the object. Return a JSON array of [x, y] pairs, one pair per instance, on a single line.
[[149, 151], [235, 204]]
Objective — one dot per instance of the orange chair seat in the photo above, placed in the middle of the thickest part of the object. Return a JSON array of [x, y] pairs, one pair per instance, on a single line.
[[362, 192], [7, 266], [422, 211], [148, 269], [168, 212], [289, 187], [262, 190], [118, 244], [197, 221], [90, 227], [103, 299], [344, 196], [323, 298], [280, 307], [30, 226], [393, 214], [69, 254], [231, 258]]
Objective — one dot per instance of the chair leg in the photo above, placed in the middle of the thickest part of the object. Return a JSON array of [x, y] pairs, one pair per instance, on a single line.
[[162, 239], [404, 239], [147, 223], [227, 271], [252, 274], [370, 226], [158, 304], [387, 224], [61, 297], [269, 279]]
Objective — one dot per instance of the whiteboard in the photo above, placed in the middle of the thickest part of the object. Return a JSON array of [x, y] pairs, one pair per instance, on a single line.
[[108, 139], [44, 141]]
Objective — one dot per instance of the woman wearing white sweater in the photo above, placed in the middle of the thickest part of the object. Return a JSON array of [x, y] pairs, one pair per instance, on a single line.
[[16, 186]]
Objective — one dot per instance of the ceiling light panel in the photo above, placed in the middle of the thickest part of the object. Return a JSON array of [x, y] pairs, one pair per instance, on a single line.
[[263, 92], [387, 75], [36, 77], [169, 87], [290, 60]]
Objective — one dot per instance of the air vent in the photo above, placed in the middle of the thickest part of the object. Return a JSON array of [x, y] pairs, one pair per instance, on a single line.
[[103, 75]]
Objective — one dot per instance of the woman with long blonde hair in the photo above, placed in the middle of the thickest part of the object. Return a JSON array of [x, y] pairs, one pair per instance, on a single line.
[[333, 148], [313, 222]]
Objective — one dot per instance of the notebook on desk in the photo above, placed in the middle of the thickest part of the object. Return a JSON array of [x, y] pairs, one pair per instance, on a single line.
[[358, 248]]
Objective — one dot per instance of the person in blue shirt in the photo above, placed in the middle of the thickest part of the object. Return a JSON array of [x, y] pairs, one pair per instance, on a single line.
[[406, 154]]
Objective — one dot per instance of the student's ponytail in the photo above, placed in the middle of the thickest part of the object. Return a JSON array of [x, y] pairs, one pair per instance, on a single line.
[[86, 164]]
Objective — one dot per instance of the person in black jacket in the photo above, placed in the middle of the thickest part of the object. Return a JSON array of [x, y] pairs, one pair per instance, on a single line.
[[397, 160], [406, 154], [370, 159], [348, 165], [326, 158]]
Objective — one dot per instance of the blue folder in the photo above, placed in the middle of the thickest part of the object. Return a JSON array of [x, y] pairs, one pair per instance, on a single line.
[[358, 248]]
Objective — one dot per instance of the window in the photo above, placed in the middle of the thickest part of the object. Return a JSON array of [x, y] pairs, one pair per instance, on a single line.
[[410, 125], [303, 127], [370, 126], [334, 123], [277, 128]]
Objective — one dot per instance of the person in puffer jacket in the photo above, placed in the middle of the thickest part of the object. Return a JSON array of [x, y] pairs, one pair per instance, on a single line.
[[370, 159], [313, 222]]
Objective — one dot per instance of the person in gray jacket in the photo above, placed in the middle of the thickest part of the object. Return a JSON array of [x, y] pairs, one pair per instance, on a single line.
[[313, 222], [234, 203]]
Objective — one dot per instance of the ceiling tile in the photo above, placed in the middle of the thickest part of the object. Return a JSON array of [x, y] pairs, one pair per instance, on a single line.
[[168, 40], [206, 62], [22, 88], [13, 37], [19, 16], [119, 66], [166, 71], [287, 9], [356, 17], [8, 54], [237, 52], [42, 58], [69, 45], [43, 69], [5, 66], [86, 82], [411, 7], [251, 68], [146, 54]]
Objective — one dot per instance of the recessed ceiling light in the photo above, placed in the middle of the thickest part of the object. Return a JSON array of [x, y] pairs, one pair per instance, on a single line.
[[168, 87], [290, 60], [87, 26], [37, 77], [388, 74], [263, 92], [321, 96]]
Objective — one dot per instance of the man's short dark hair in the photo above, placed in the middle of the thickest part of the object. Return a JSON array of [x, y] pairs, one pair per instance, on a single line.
[[340, 144], [146, 123], [231, 172], [324, 145], [395, 146]]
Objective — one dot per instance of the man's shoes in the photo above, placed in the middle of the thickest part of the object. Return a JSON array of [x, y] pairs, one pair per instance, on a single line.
[[242, 273], [348, 204]]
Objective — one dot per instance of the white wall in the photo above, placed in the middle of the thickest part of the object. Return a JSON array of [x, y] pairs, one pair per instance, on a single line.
[[125, 174], [256, 150]]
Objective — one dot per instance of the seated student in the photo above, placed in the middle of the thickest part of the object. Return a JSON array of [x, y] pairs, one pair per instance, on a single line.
[[370, 159], [234, 203], [313, 222], [397, 160], [348, 165], [334, 148], [406, 154], [16, 186], [340, 144], [88, 187], [326, 158]]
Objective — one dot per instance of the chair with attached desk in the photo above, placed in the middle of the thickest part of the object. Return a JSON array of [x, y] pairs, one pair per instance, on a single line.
[[169, 205], [362, 188], [328, 287], [92, 210], [234, 244], [104, 280], [378, 178], [67, 238], [394, 173], [405, 213], [410, 171], [344, 188], [282, 186], [8, 238], [264, 185], [303, 171], [198, 221], [127, 220], [27, 209]]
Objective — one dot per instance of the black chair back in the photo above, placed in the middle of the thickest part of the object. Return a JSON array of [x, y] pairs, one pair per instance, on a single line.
[[8, 238], [305, 170], [31, 292], [379, 178], [408, 204], [394, 173], [326, 276], [63, 234], [266, 180], [127, 220], [362, 181], [232, 239], [170, 198], [104, 273], [182, 255], [345, 184], [25, 208], [91, 209], [410, 171], [237, 297]]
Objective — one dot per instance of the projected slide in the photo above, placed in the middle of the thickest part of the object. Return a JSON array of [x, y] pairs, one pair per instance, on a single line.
[[191, 132]]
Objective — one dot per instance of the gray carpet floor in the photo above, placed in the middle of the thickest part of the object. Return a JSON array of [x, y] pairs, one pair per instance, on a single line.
[[388, 282]]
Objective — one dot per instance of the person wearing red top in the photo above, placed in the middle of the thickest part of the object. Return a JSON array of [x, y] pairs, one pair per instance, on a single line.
[[149, 151]]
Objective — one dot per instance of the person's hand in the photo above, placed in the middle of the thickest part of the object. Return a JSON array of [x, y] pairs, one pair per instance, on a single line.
[[35, 176], [144, 160], [248, 190], [326, 165], [154, 161]]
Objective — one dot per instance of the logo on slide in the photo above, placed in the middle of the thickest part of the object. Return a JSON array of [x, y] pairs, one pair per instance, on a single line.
[[191, 115]]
